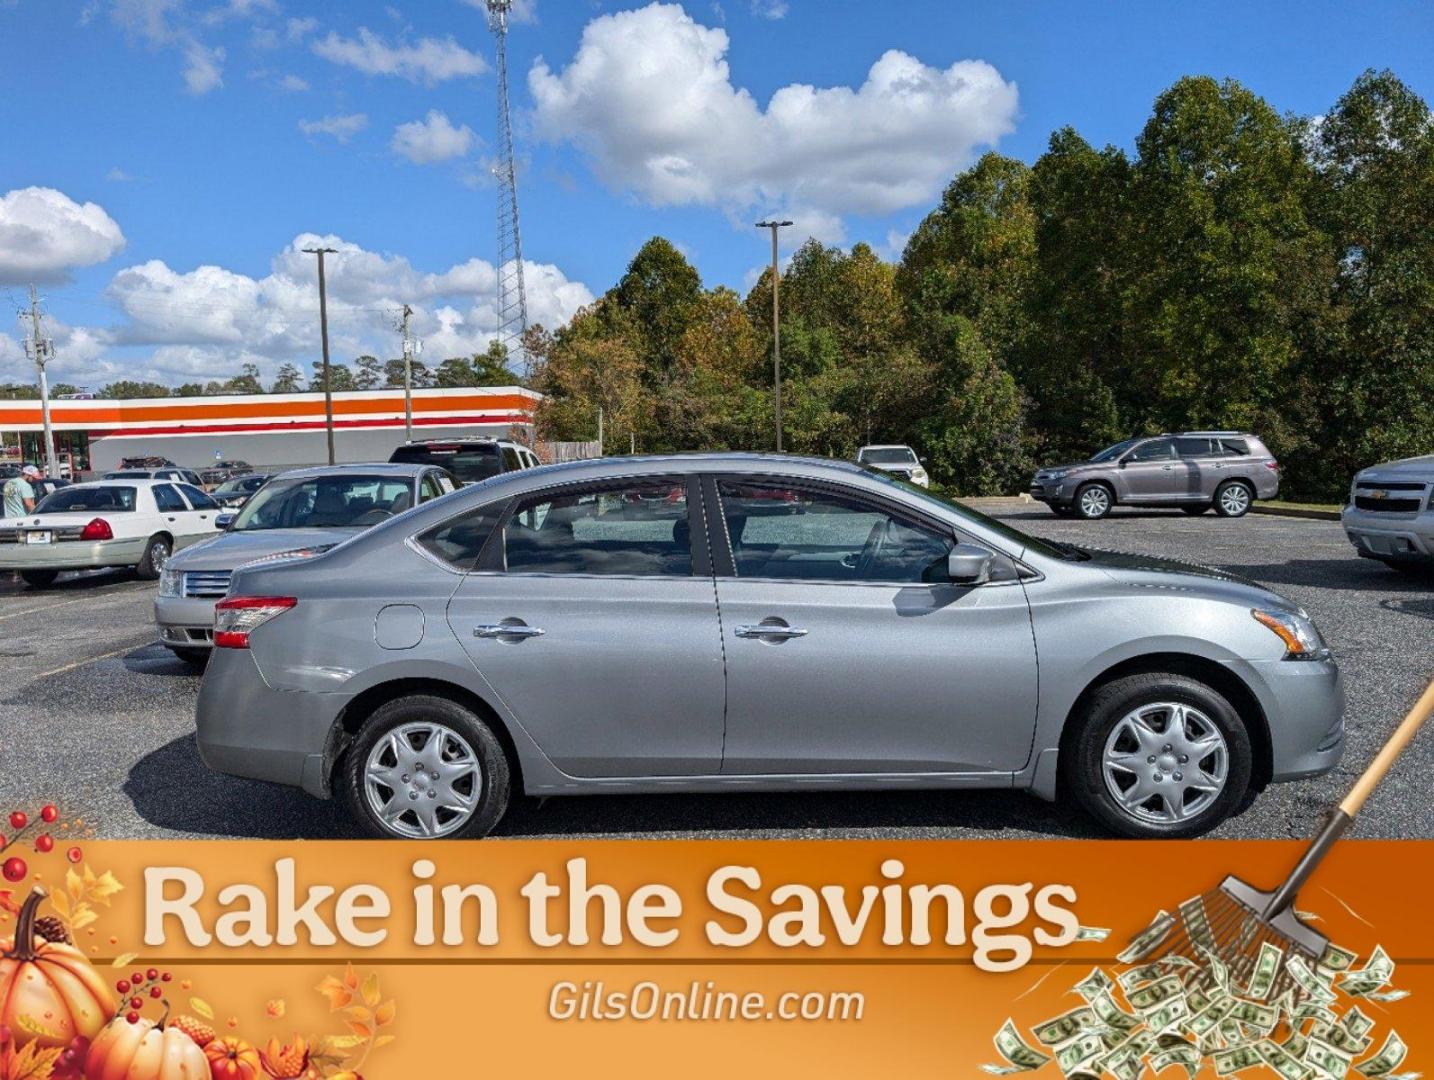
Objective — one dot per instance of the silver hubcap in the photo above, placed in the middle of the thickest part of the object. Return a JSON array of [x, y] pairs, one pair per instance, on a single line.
[[1165, 763], [158, 556], [1234, 499], [422, 780], [1094, 501]]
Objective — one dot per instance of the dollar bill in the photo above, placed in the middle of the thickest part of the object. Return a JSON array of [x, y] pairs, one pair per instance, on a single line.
[[1208, 1018], [1336, 959], [1374, 975], [1015, 1050], [1217, 970], [1340, 1037], [1259, 1016], [1282, 1061], [1092, 933], [1094, 984], [1391, 1055], [1387, 995], [1067, 1026], [1084, 1049], [1151, 996], [1327, 1059], [1296, 1043], [1313, 1010], [1143, 973], [1168, 1015], [1355, 1022], [1237, 1058], [1267, 966], [1112, 1015], [1314, 987], [1186, 1056], [1149, 939]]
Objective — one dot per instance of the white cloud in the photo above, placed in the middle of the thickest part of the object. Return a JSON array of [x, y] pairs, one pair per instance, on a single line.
[[203, 67], [770, 9], [432, 139], [167, 24], [201, 324], [293, 84], [118, 175], [44, 234], [342, 128], [673, 129], [298, 29], [427, 60]]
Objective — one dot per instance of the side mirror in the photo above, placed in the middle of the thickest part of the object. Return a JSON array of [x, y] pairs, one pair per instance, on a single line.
[[1121, 463], [223, 521], [968, 564]]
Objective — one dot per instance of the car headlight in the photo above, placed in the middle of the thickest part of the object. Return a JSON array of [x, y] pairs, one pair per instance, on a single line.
[[918, 474], [1298, 632], [170, 582]]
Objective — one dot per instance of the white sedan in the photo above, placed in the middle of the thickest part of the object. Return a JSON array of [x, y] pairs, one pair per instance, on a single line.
[[106, 523]]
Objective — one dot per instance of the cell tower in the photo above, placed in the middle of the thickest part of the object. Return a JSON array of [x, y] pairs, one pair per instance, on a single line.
[[512, 297]]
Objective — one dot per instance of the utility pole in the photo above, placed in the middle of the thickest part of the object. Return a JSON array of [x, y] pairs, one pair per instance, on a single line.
[[407, 376], [599, 431], [776, 331], [324, 330], [41, 350]]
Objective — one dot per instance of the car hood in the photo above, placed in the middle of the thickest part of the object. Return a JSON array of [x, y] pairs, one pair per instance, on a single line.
[[1149, 571], [1414, 468], [1069, 467], [228, 550]]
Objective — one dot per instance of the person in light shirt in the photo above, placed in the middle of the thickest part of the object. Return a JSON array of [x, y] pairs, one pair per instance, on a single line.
[[19, 492]]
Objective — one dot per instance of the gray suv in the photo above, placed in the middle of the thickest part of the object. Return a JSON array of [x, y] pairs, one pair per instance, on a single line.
[[1390, 515], [647, 624], [1191, 470]]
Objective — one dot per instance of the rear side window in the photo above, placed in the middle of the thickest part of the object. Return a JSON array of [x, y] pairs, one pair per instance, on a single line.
[[469, 463], [167, 499], [1239, 447], [511, 461], [107, 498], [635, 529], [460, 541], [1192, 447]]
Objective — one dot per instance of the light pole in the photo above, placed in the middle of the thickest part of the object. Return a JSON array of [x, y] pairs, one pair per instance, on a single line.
[[324, 330], [41, 349], [776, 331]]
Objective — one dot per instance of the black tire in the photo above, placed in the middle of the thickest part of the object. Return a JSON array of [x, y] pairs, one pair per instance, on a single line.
[[1196, 511], [1228, 503], [39, 579], [1062, 511], [1082, 752], [156, 554], [493, 764], [195, 658], [1411, 569], [1089, 504]]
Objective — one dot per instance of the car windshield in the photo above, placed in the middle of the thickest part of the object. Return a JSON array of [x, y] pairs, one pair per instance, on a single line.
[[1000, 528], [128, 475], [240, 486], [469, 463], [1110, 453], [325, 502], [86, 499], [888, 455]]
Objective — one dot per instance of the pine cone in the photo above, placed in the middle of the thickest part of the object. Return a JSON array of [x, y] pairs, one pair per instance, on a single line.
[[52, 929]]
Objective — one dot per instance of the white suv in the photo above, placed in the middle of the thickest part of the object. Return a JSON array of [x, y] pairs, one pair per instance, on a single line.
[[900, 461]]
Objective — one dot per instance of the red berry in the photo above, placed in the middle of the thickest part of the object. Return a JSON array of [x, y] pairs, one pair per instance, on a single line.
[[155, 991], [132, 1017], [122, 986], [44, 843], [49, 814], [136, 1003], [137, 978], [74, 854], [152, 974], [165, 977], [18, 820], [14, 869]]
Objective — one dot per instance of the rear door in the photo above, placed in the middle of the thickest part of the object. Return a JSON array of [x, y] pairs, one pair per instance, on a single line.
[[592, 616], [848, 648], [1199, 467]]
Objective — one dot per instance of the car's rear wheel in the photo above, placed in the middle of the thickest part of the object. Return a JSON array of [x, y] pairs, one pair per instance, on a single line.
[[424, 767], [1157, 755], [39, 579], [195, 658], [1092, 501], [1196, 511], [1410, 568], [1233, 499], [156, 554]]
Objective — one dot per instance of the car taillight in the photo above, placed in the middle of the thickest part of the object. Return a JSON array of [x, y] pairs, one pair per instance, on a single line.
[[99, 529], [239, 616], [1274, 466]]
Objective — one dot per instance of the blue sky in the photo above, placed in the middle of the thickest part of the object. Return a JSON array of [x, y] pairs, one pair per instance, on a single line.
[[182, 149]]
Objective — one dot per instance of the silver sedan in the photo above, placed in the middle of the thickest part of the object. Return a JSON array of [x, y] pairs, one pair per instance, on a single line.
[[753, 622]]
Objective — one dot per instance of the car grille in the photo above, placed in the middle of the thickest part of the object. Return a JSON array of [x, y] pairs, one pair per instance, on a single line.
[[205, 584], [1392, 497]]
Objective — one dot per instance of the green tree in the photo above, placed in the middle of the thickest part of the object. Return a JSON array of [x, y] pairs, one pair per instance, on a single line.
[[368, 373], [288, 380], [189, 389], [488, 368], [131, 388], [64, 389], [419, 374], [340, 377], [246, 382]]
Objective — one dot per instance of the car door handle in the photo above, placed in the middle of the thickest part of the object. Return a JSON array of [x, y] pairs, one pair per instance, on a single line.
[[770, 630], [1167, 468], [497, 630]]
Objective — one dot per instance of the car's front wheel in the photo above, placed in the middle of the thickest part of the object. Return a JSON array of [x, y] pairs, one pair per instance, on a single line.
[[1092, 501], [424, 767], [1157, 755]]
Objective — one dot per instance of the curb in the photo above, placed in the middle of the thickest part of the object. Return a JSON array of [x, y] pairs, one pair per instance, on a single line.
[[1296, 512]]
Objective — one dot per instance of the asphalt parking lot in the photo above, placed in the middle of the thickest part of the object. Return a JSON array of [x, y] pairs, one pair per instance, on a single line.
[[97, 717]]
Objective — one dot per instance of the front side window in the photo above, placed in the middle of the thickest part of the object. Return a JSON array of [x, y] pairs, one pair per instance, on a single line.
[[793, 534], [197, 499], [167, 499], [638, 528], [511, 461], [1154, 450]]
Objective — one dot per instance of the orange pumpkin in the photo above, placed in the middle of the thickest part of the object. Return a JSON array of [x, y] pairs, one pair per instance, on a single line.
[[49, 993], [231, 1058], [144, 1051]]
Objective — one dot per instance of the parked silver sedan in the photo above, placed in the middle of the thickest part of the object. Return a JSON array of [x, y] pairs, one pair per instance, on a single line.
[[649, 624]]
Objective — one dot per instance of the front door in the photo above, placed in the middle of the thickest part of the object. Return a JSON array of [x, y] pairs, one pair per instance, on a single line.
[[850, 651], [1149, 473], [594, 620]]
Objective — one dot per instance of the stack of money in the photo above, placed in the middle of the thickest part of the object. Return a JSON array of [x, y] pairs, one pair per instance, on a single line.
[[1193, 1012]]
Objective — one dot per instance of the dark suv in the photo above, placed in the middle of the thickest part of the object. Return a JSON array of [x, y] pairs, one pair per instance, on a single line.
[[1192, 470], [470, 460]]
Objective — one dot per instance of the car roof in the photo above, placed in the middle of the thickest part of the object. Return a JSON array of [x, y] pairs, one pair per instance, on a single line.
[[885, 446], [374, 468], [124, 481], [466, 440], [712, 461]]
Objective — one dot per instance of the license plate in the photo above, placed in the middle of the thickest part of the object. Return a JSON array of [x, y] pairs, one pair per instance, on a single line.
[[38, 538]]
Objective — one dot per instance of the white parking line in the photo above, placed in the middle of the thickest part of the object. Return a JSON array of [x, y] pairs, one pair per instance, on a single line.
[[87, 660], [43, 607]]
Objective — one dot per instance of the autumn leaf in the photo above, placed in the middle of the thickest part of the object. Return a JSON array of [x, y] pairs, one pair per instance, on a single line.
[[74, 885], [384, 1014], [202, 1007], [342, 1042], [33, 1063], [276, 1008], [363, 1031], [61, 903], [359, 1013], [7, 902], [371, 993], [351, 979], [123, 960], [337, 993], [383, 1040]]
